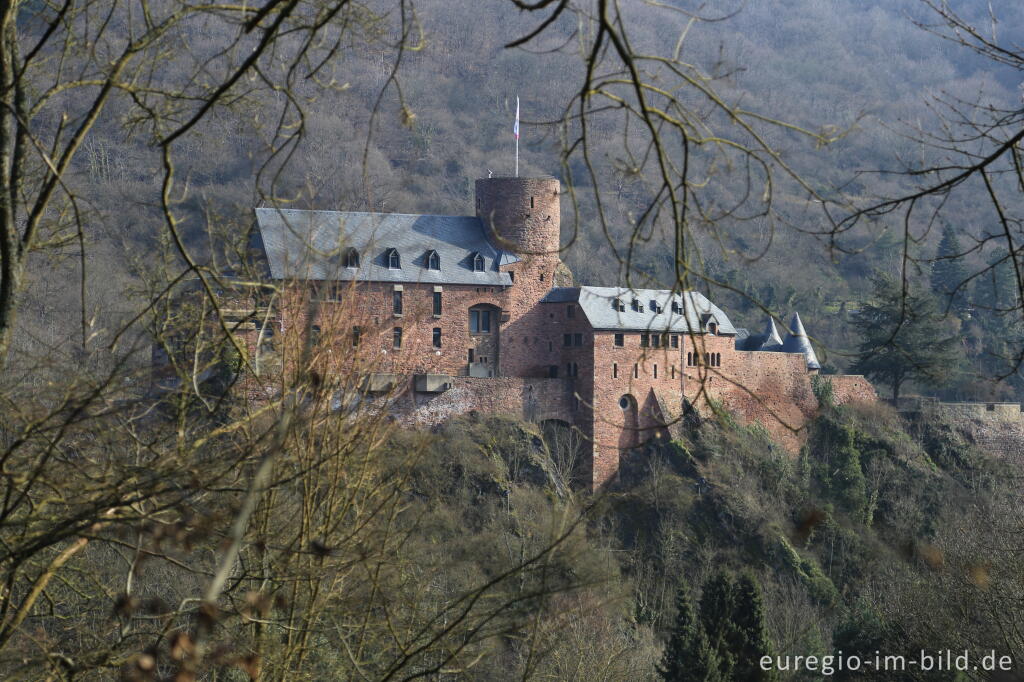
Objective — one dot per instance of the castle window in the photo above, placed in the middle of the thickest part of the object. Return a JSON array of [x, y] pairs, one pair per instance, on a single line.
[[394, 260], [675, 340], [689, 359], [570, 311], [433, 260], [620, 340], [512, 276], [656, 340], [437, 337], [471, 356], [566, 340], [479, 321], [645, 340], [356, 333], [572, 369], [351, 258], [531, 202], [553, 371], [478, 263], [707, 359], [577, 339], [542, 276], [437, 304], [396, 302], [718, 359], [615, 370], [655, 370], [397, 334], [673, 371], [636, 371]]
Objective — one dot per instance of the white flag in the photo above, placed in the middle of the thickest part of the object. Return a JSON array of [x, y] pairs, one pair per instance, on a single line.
[[515, 130]]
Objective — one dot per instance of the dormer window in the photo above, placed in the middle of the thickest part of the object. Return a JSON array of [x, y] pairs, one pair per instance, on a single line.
[[676, 308], [478, 263], [433, 260], [637, 306], [656, 307], [351, 258], [618, 306], [394, 260]]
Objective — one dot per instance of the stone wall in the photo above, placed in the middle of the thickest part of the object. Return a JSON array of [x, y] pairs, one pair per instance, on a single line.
[[851, 388], [642, 378], [529, 398], [771, 389]]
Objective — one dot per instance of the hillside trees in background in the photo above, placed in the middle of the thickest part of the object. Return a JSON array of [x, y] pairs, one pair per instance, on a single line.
[[977, 140]]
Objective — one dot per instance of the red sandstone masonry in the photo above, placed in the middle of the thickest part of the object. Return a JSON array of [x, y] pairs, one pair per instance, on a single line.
[[852, 388], [772, 389]]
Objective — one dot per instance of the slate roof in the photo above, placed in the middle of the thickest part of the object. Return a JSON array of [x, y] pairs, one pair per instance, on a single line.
[[768, 340], [596, 303], [797, 342], [312, 245]]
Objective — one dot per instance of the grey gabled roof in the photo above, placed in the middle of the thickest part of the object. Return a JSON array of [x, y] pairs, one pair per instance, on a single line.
[[797, 342], [312, 244], [597, 305], [768, 340]]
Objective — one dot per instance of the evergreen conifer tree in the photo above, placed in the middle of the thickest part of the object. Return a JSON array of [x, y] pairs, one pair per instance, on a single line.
[[903, 338], [949, 272], [717, 606], [688, 655], [750, 633]]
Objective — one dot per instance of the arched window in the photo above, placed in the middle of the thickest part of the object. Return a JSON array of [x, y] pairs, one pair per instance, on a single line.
[[718, 359], [689, 359], [433, 260], [707, 359], [394, 260], [351, 258], [478, 263]]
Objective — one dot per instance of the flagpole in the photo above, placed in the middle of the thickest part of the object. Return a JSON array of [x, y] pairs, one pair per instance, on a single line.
[[517, 135]]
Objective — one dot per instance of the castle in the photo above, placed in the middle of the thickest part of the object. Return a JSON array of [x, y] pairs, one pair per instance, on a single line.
[[456, 314]]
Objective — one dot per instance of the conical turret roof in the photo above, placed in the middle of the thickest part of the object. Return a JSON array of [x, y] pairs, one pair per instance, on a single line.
[[797, 342], [771, 336]]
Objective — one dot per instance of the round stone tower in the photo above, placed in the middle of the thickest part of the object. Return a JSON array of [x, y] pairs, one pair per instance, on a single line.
[[522, 214]]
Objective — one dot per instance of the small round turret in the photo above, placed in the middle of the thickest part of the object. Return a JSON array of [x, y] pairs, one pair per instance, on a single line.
[[522, 214]]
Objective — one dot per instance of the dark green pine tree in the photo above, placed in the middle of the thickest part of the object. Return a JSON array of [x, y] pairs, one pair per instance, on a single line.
[[717, 606], [904, 338], [949, 275], [749, 632], [688, 656]]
